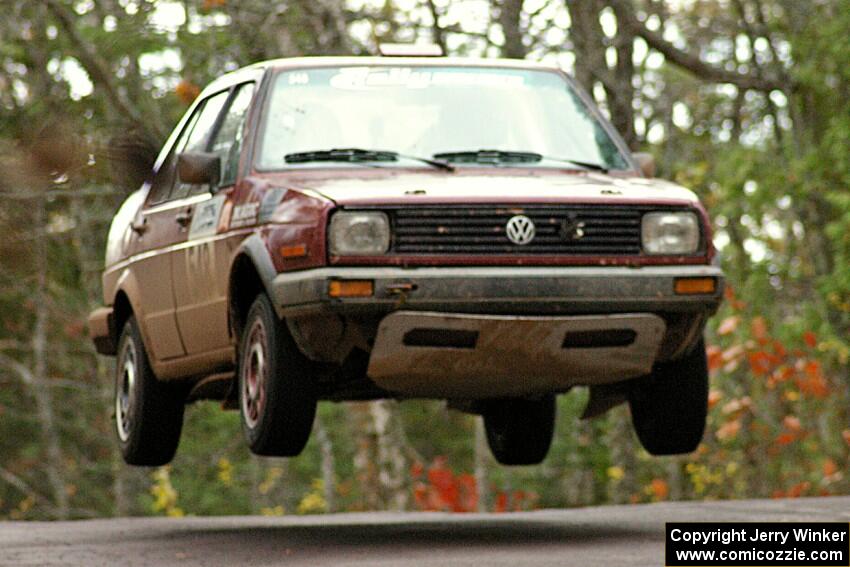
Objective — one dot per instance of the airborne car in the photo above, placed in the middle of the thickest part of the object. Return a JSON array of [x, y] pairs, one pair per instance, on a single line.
[[405, 227]]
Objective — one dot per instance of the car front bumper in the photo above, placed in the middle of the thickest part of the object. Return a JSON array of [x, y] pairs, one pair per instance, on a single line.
[[515, 290]]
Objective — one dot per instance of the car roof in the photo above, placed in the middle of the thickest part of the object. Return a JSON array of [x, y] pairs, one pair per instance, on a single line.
[[326, 61], [300, 62]]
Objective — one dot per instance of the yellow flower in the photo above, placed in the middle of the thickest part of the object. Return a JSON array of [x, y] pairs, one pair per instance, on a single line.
[[615, 473]]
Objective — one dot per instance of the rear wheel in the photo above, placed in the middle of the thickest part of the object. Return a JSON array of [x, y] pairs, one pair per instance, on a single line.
[[519, 431], [148, 412], [669, 407], [277, 397]]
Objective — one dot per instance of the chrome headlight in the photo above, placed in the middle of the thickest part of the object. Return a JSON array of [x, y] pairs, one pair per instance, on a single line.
[[359, 234], [670, 233]]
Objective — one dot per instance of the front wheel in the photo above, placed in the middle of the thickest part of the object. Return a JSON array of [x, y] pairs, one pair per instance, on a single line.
[[148, 412], [519, 431], [669, 407], [277, 395]]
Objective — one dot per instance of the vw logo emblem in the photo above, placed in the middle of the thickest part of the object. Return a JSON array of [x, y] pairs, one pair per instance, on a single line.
[[520, 230]]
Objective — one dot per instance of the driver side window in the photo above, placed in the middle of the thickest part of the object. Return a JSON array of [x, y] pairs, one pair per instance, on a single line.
[[195, 137]]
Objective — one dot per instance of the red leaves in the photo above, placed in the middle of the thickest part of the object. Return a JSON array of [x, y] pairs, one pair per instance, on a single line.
[[791, 423], [187, 91], [715, 357], [769, 358], [729, 294], [443, 490], [729, 430], [810, 339], [728, 325], [786, 438], [812, 381], [829, 468], [714, 397], [760, 362], [501, 504], [208, 5], [659, 488], [792, 431], [758, 328]]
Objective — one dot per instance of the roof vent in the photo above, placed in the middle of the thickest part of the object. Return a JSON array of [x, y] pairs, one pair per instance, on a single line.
[[410, 50]]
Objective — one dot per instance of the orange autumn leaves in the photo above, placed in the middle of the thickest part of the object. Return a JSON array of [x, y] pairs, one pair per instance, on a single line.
[[770, 359], [772, 401], [439, 489], [187, 91], [208, 5], [792, 372]]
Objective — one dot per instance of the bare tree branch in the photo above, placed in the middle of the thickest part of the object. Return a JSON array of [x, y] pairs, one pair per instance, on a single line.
[[23, 372], [98, 70], [17, 482], [438, 35], [689, 61]]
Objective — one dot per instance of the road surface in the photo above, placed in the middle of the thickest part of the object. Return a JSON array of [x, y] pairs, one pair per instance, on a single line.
[[606, 536]]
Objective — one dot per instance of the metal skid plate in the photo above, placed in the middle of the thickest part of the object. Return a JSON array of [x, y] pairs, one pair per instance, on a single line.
[[507, 355]]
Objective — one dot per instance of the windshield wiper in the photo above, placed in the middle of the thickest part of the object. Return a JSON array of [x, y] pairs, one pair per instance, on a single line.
[[357, 155], [499, 157], [489, 156]]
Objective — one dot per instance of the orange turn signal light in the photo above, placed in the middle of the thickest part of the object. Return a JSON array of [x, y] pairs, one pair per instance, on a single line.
[[297, 251], [351, 288], [694, 286]]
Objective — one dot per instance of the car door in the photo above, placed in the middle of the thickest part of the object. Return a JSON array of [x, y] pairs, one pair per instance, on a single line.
[[161, 226], [200, 268]]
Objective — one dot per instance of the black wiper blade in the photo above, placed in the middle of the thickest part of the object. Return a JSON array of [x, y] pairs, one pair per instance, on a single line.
[[360, 155], [489, 156], [498, 157], [584, 164], [340, 154]]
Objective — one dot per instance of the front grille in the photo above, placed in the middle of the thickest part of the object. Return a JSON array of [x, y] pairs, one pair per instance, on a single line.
[[569, 229]]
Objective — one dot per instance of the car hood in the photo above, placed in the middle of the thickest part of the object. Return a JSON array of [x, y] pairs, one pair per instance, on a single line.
[[380, 187]]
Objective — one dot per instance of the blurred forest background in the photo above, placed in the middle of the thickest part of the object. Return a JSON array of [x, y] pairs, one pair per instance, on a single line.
[[745, 101]]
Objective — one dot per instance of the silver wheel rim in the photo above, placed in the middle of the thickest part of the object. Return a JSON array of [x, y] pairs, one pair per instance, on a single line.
[[125, 391], [254, 370]]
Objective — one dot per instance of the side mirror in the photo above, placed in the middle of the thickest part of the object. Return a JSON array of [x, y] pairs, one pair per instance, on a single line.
[[646, 162], [199, 168]]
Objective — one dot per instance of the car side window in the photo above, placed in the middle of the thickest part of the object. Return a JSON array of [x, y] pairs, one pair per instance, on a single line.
[[228, 141], [198, 141], [164, 178]]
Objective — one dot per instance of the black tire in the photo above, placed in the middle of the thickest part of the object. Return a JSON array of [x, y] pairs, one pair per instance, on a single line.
[[519, 431], [148, 412], [669, 407], [277, 388]]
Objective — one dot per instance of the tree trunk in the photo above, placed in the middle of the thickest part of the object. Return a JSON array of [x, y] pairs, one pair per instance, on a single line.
[[392, 464], [328, 465], [482, 461], [621, 442], [364, 456], [510, 20], [91, 263], [41, 386], [621, 93], [586, 37]]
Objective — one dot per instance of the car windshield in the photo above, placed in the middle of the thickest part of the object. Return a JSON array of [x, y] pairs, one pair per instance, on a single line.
[[460, 115]]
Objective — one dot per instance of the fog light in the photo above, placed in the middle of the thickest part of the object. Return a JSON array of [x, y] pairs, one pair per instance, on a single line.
[[350, 288], [694, 286]]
